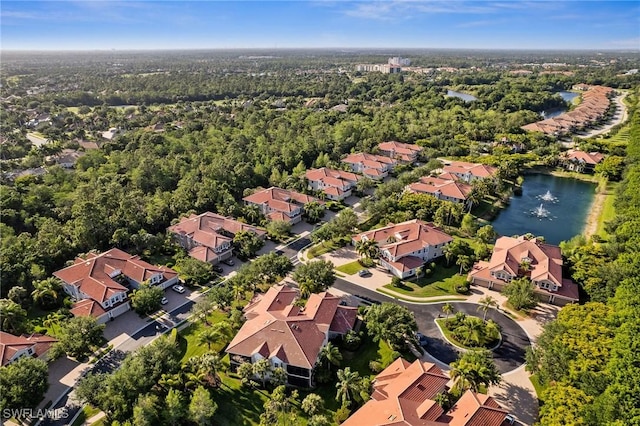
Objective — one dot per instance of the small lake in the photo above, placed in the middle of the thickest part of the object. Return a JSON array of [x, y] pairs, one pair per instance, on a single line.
[[464, 96], [558, 215], [568, 98]]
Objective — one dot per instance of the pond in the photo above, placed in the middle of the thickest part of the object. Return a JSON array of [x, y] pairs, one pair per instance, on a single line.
[[554, 207], [554, 112], [464, 96]]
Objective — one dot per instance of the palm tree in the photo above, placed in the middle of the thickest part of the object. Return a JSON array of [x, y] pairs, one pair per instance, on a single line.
[[12, 316], [218, 332], [348, 385], [485, 304], [367, 248], [491, 331], [473, 369], [207, 337], [447, 308], [46, 292], [473, 330], [331, 354], [306, 287], [464, 261], [261, 370]]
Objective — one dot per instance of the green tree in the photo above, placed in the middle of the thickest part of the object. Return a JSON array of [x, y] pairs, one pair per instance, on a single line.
[[447, 309], [78, 337], [314, 211], [468, 225], [312, 404], [174, 410], [146, 411], [202, 408], [521, 293], [348, 386], [330, 355], [473, 369], [217, 333], [261, 370], [464, 262], [279, 229], [391, 323], [486, 234], [12, 317], [203, 307], [23, 383], [193, 271], [146, 299], [367, 248], [563, 405], [456, 249], [47, 292], [247, 243], [485, 304], [19, 295], [344, 223], [314, 276], [611, 168]]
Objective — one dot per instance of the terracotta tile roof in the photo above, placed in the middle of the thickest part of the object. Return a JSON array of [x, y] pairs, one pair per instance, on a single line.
[[402, 151], [93, 275], [592, 158], [545, 264], [437, 185], [474, 409], [87, 308], [371, 161], [280, 200], [10, 345], [323, 173], [275, 327], [406, 237], [476, 170]]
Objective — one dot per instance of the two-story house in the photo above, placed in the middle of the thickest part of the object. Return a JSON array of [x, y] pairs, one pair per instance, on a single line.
[[442, 189], [280, 204], [208, 236], [13, 347], [287, 335], [521, 257], [580, 161], [376, 167], [405, 247], [403, 152], [335, 184], [99, 282], [469, 172]]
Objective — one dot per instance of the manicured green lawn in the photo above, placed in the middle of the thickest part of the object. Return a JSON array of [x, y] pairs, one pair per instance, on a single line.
[[350, 268], [87, 412], [188, 338], [608, 211], [539, 387], [447, 334], [442, 282], [326, 247]]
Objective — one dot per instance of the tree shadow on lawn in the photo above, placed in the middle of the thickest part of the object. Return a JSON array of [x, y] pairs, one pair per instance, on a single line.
[[519, 401]]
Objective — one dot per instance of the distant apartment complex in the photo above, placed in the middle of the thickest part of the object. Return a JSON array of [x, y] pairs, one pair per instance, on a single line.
[[288, 335], [520, 257], [383, 68], [443, 189], [376, 167], [209, 237], [335, 184], [280, 204], [397, 60], [468, 172], [402, 152], [98, 282], [405, 247]]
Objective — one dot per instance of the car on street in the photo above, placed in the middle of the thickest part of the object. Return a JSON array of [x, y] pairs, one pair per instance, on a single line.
[[422, 339], [510, 419], [218, 269], [229, 262], [178, 288], [164, 301], [364, 273]]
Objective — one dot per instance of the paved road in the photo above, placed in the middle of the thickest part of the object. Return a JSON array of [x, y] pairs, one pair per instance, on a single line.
[[509, 356]]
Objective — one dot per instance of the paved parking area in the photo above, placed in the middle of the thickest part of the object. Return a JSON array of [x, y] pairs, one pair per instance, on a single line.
[[344, 255]]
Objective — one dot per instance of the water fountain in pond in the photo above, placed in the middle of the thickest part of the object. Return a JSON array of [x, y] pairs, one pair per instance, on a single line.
[[548, 197], [540, 212]]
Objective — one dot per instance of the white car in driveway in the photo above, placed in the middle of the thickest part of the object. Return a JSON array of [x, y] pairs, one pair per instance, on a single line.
[[178, 288], [164, 301]]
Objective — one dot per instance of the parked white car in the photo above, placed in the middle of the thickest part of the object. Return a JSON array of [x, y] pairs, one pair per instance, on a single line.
[[178, 288]]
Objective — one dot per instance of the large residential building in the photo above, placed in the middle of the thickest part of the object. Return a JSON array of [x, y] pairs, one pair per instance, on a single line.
[[209, 236], [397, 60], [280, 204], [383, 68], [580, 161], [521, 257], [404, 394], [13, 347], [99, 282], [443, 189], [376, 167], [287, 335], [407, 246], [403, 152], [335, 184], [469, 172]]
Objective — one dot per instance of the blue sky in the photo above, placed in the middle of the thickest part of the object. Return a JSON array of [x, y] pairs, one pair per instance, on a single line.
[[511, 24]]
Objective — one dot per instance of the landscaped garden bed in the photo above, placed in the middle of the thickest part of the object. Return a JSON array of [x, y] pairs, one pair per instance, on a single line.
[[470, 332]]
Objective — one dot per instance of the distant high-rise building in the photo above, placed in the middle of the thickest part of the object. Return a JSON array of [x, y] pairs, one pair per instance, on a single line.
[[396, 60]]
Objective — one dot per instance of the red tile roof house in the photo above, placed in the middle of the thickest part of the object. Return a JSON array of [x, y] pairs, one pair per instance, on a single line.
[[442, 189], [403, 152], [96, 282], [407, 246], [580, 161], [404, 395], [335, 184], [469, 172], [289, 336], [376, 167], [280, 204], [545, 269], [14, 347], [209, 237]]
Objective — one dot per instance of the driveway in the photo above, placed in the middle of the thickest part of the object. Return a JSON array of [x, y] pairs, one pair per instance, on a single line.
[[378, 278], [508, 356]]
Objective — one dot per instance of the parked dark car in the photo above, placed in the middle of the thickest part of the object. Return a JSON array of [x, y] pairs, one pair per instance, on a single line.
[[229, 262], [218, 269]]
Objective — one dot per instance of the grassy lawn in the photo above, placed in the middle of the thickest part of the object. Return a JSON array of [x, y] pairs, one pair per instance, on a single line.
[[608, 210], [160, 259], [326, 246], [350, 268], [87, 412], [539, 387], [188, 338], [442, 282], [447, 334]]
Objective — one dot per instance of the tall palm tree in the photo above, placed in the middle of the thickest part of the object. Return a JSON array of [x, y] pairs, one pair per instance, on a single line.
[[367, 248], [46, 292], [447, 308], [473, 330], [491, 331], [12, 316], [464, 262], [331, 354], [207, 337], [348, 385], [485, 304], [219, 332]]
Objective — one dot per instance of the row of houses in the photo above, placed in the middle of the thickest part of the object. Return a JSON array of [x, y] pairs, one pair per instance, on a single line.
[[593, 108]]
